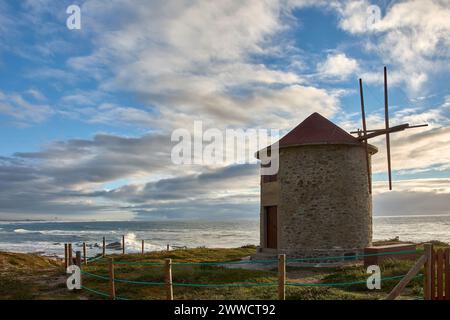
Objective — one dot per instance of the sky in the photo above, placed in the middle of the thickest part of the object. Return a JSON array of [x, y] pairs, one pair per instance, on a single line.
[[86, 115]]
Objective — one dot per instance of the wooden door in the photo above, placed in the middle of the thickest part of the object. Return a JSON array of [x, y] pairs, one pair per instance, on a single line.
[[271, 227]]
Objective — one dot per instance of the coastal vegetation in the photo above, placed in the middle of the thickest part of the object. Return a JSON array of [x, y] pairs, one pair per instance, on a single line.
[[28, 276]]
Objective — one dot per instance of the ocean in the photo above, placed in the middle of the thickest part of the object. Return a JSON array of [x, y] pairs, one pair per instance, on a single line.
[[48, 237]]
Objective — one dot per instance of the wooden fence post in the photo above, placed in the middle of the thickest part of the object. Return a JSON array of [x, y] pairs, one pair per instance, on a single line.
[[169, 287], [104, 247], [84, 253], [123, 244], [69, 253], [66, 257], [78, 258], [281, 276], [142, 246], [427, 285], [440, 274], [447, 273], [112, 287]]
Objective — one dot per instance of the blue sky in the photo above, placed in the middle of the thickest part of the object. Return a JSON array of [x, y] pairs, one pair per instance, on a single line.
[[86, 115]]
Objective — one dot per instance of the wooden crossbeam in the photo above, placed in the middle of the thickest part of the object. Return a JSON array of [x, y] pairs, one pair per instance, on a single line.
[[386, 121], [409, 276], [366, 147], [380, 132], [376, 130]]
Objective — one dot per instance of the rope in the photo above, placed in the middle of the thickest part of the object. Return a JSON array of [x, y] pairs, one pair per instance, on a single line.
[[294, 284], [354, 256], [92, 259], [122, 280], [224, 262], [221, 285], [100, 293], [103, 294], [343, 284], [134, 263], [94, 275], [140, 282]]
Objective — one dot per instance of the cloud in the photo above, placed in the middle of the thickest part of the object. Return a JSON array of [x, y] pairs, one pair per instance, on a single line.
[[192, 60], [77, 163], [36, 94], [184, 61], [27, 192], [415, 149], [51, 187], [413, 197], [212, 183], [68, 179], [108, 113], [338, 66], [22, 111], [413, 37]]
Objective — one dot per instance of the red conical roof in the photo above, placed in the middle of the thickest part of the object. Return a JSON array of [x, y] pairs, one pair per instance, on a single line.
[[317, 129]]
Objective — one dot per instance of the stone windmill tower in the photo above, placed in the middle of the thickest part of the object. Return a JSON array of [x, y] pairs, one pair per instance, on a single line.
[[320, 201], [314, 205]]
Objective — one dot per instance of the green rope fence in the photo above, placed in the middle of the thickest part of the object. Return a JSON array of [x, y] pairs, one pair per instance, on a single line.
[[101, 293], [222, 285], [93, 259], [345, 284], [97, 292], [146, 283], [356, 256], [94, 275], [265, 284]]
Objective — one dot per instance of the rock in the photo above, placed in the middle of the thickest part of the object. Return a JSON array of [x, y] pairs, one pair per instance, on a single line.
[[114, 245]]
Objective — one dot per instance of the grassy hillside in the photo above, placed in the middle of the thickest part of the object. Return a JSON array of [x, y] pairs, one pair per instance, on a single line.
[[28, 276]]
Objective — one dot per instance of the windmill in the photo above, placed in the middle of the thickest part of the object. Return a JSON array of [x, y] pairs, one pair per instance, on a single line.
[[365, 134]]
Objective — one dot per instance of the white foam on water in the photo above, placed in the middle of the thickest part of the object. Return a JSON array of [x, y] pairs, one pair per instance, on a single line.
[[133, 244], [75, 232], [24, 231]]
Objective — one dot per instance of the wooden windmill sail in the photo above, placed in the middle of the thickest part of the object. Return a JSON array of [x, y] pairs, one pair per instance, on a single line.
[[365, 134]]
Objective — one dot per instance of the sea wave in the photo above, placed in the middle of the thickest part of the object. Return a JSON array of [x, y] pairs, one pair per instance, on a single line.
[[135, 244], [57, 232], [75, 232], [24, 231]]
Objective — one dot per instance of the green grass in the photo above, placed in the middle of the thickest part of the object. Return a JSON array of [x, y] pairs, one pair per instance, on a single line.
[[191, 255], [24, 276], [186, 274], [389, 268], [194, 274]]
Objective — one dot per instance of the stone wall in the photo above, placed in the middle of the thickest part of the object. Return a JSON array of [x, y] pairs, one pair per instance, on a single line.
[[324, 204]]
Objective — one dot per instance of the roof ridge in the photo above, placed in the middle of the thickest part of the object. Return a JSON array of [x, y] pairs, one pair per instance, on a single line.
[[316, 129]]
